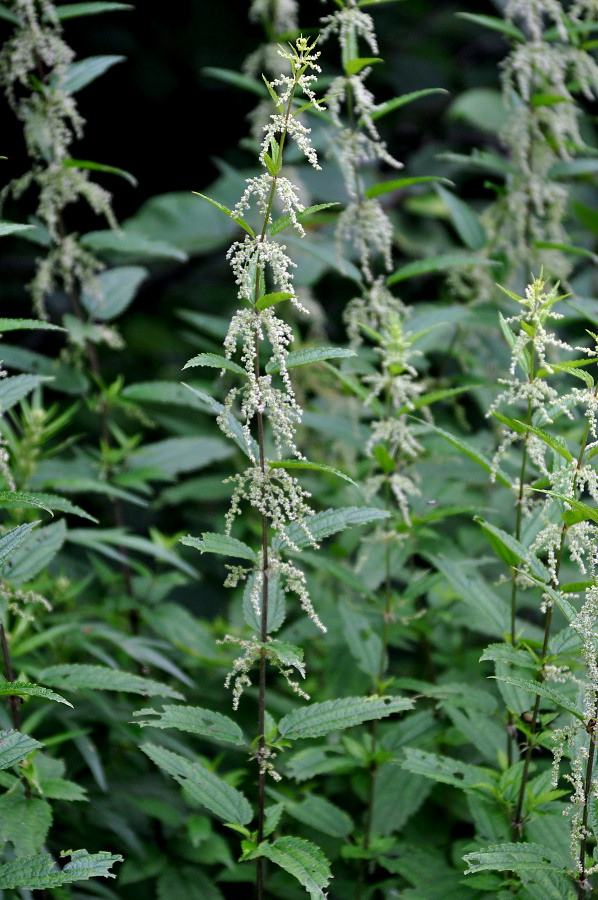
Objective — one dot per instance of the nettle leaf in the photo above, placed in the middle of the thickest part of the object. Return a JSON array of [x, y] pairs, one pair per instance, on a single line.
[[546, 691], [512, 551], [24, 821], [209, 789], [233, 426], [333, 715], [272, 299], [9, 16], [173, 456], [444, 262], [103, 678], [81, 73], [23, 689], [331, 521], [11, 541], [99, 167], [25, 324], [287, 654], [40, 871], [284, 221], [228, 212], [305, 464], [309, 355], [506, 653], [236, 78], [300, 858], [355, 65], [93, 8], [396, 184], [276, 605], [322, 815], [512, 858], [383, 109], [42, 501], [465, 221], [221, 544], [448, 770], [470, 452], [16, 387], [35, 553], [116, 289], [214, 361], [581, 511], [195, 720], [14, 745], [496, 24]]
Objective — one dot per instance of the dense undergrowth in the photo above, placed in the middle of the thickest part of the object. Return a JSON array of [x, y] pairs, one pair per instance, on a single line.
[[317, 614]]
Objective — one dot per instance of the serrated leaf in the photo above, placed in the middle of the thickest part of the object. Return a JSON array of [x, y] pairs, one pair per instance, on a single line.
[[209, 789], [333, 715], [214, 361], [14, 745], [444, 262], [546, 691], [173, 456], [588, 513], [195, 720], [287, 654], [221, 544], [272, 299], [309, 355], [23, 689], [81, 73], [329, 522], [234, 427], [513, 857], [321, 814], [228, 212], [27, 324], [103, 678], [11, 540], [448, 770], [48, 502], [508, 654], [512, 551], [465, 221], [284, 221], [24, 821], [276, 605], [355, 65], [40, 871], [300, 858], [305, 464], [470, 452], [16, 387], [35, 553]]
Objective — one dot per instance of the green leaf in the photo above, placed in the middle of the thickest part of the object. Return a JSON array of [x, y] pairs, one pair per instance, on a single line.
[[195, 720], [284, 221], [103, 678], [35, 553], [507, 28], [583, 511], [506, 653], [133, 246], [234, 427], [355, 65], [221, 544], [309, 355], [556, 442], [470, 452], [572, 167], [448, 770], [16, 387], [332, 715], [300, 858], [467, 224], [42, 501], [181, 454], [40, 871], [24, 822], [510, 550], [484, 108], [9, 16], [214, 361], [276, 605], [305, 464], [117, 288], [77, 76], [27, 324], [23, 689], [544, 690], [272, 299], [287, 654], [385, 187], [228, 212], [384, 108], [442, 263], [329, 522], [513, 857], [94, 8], [11, 540], [236, 79], [204, 786], [12, 227], [14, 745]]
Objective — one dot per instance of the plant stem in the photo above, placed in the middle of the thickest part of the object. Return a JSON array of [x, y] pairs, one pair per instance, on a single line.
[[591, 728]]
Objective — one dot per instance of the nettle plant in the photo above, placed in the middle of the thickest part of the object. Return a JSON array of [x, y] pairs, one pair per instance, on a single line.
[[261, 416]]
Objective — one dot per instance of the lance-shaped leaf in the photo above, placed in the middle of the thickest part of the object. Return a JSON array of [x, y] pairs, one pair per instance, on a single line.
[[42, 501], [305, 464], [513, 857], [384, 108], [209, 789], [284, 221], [397, 184], [470, 452], [276, 605], [300, 858], [99, 167], [331, 521], [16, 387], [553, 441], [322, 815], [219, 543], [91, 8], [546, 691], [512, 551], [24, 689], [81, 73], [333, 715], [195, 720], [309, 355], [234, 427], [214, 361], [272, 299], [14, 745], [228, 212], [40, 871], [506, 653], [25, 324], [444, 262], [10, 541], [103, 678], [448, 770], [580, 512], [496, 24]]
